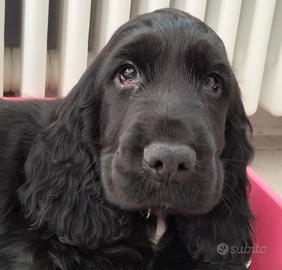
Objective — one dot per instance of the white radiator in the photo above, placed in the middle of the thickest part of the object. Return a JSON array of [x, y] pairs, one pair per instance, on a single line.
[[250, 29]]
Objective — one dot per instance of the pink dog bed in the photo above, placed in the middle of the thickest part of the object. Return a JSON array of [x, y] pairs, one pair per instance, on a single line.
[[267, 208]]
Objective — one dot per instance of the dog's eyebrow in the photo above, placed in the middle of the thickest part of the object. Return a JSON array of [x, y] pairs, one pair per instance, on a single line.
[[140, 48], [203, 56]]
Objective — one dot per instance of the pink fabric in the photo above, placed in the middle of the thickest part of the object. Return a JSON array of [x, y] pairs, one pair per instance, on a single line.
[[267, 208], [22, 98]]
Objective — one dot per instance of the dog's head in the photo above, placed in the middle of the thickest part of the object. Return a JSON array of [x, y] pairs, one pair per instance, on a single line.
[[152, 124], [167, 91]]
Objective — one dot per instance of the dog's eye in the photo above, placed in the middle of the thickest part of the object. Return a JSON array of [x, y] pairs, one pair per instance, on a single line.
[[128, 74], [212, 85]]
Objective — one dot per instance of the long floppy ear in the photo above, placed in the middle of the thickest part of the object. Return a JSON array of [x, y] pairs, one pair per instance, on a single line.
[[237, 132], [223, 236], [237, 152], [62, 190]]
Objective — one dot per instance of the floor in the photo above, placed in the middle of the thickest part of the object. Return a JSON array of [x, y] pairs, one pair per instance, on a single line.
[[267, 141], [268, 160]]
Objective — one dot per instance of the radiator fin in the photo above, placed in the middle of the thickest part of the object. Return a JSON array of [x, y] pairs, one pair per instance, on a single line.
[[74, 43], [34, 48]]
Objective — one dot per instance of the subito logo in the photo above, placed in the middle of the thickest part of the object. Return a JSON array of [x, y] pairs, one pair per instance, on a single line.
[[222, 249]]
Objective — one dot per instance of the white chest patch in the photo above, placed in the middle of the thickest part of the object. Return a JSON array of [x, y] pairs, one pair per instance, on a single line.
[[160, 230]]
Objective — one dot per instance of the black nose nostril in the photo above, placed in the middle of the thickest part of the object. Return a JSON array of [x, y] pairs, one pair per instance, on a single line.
[[158, 165], [182, 167]]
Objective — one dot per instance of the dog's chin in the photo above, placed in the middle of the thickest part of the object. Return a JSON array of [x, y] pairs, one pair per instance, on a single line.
[[168, 204], [161, 208], [164, 209]]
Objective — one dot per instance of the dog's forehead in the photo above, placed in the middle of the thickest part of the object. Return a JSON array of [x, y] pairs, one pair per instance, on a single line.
[[168, 31]]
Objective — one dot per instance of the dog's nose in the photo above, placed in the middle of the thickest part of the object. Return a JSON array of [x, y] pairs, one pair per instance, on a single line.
[[170, 161]]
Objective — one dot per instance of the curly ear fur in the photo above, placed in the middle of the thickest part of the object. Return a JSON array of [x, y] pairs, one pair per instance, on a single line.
[[62, 189], [229, 221]]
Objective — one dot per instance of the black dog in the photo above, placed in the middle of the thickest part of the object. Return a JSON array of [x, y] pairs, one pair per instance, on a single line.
[[141, 166]]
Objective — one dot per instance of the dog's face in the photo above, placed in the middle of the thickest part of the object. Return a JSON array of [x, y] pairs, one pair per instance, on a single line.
[[166, 86]]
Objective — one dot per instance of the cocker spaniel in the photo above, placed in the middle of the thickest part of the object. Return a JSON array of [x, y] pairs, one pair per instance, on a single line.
[[143, 164]]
